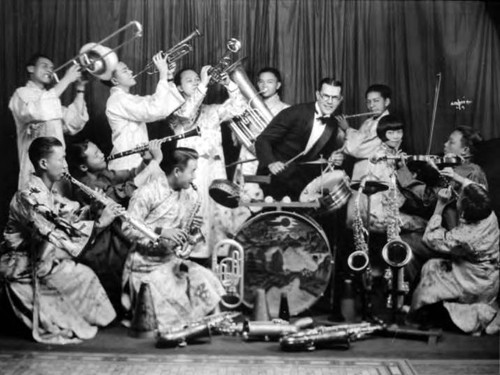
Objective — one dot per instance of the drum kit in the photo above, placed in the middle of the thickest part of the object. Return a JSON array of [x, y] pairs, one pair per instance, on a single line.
[[287, 251]]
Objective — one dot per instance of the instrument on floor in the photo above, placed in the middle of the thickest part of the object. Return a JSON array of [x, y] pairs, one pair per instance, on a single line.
[[105, 200], [191, 133], [225, 192], [362, 114], [175, 53], [285, 251], [178, 336], [264, 330], [323, 336], [194, 234], [98, 60], [230, 271], [330, 189]]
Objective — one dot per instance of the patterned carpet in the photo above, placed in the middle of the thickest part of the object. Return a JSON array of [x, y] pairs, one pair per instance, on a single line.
[[53, 363]]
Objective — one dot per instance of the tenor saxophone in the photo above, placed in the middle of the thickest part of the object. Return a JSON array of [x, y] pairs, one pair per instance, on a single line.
[[105, 200], [194, 234]]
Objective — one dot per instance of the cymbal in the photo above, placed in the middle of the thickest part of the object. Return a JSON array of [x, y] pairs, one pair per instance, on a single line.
[[371, 187], [319, 161]]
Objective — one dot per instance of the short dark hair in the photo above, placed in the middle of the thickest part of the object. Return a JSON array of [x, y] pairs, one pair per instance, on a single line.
[[178, 75], [329, 81], [271, 70], [41, 148], [470, 138], [475, 203], [386, 123], [384, 90], [34, 59], [178, 158], [75, 156]]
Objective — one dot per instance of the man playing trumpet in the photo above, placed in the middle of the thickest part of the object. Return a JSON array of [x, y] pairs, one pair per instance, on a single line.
[[38, 111], [127, 113]]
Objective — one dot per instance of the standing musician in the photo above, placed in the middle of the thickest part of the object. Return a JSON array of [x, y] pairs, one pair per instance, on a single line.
[[363, 142], [38, 111], [127, 114], [182, 291], [303, 128], [64, 301], [211, 163]]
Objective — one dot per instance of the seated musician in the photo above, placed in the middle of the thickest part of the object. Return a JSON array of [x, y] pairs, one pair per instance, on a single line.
[[182, 291], [127, 113], [421, 193], [211, 164], [362, 143], [463, 280], [110, 248], [87, 164], [307, 128], [44, 235]]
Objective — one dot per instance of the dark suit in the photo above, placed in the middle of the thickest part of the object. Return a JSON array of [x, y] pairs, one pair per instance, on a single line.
[[285, 137]]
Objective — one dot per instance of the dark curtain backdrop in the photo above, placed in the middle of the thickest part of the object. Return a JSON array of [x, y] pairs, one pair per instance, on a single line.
[[401, 43]]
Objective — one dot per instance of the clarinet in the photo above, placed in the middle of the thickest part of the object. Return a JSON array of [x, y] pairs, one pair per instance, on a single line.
[[145, 147], [105, 200]]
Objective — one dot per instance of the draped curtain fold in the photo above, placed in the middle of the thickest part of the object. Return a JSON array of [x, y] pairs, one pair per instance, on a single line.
[[401, 43]]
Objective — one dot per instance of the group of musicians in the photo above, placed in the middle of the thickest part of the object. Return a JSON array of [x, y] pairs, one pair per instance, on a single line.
[[69, 266]]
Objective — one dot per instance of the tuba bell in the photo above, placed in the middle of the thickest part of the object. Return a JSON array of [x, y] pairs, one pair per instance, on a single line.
[[230, 272], [98, 60]]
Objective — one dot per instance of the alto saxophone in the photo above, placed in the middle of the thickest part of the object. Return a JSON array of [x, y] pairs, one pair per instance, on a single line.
[[105, 200], [194, 234]]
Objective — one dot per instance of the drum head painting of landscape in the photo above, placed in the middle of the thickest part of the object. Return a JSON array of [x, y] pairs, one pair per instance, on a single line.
[[285, 252]]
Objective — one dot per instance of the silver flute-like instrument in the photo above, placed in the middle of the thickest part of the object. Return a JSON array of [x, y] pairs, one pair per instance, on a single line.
[[105, 200], [199, 328], [190, 133], [362, 114], [342, 335]]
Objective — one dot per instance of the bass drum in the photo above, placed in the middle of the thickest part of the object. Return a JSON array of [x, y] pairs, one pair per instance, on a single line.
[[285, 252]]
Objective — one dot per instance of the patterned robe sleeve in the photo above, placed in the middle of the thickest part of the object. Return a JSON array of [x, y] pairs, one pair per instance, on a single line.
[[75, 117], [30, 107], [233, 106], [445, 242], [139, 208]]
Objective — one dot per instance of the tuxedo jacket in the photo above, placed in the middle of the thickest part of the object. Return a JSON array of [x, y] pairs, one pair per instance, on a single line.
[[285, 137]]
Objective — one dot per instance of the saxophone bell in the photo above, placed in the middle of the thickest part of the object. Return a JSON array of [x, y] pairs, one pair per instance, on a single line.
[[358, 261], [397, 253]]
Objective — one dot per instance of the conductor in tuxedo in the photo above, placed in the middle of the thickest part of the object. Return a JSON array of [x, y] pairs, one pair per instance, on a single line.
[[308, 129]]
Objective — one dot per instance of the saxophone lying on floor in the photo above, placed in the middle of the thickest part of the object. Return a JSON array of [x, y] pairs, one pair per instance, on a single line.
[[178, 336], [340, 335], [264, 330]]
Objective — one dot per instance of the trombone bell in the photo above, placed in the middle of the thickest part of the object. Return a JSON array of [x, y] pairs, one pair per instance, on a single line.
[[98, 60]]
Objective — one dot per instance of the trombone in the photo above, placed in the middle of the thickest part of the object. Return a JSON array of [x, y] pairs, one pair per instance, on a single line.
[[175, 53], [97, 59]]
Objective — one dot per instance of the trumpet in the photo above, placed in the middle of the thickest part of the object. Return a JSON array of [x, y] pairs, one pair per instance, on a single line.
[[362, 114], [233, 45], [230, 272], [98, 60], [190, 133], [175, 53]]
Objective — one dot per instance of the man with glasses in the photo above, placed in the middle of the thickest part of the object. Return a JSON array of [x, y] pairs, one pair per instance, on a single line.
[[308, 130]]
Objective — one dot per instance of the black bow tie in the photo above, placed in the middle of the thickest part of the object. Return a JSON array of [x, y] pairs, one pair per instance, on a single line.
[[323, 119]]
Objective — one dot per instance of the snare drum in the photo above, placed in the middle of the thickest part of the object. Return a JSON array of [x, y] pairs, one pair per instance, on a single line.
[[285, 251], [225, 192], [331, 189]]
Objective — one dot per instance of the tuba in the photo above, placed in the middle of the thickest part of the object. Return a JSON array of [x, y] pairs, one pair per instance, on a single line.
[[230, 272], [98, 60], [175, 53]]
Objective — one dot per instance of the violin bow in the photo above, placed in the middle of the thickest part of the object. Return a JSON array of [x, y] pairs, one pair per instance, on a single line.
[[434, 110]]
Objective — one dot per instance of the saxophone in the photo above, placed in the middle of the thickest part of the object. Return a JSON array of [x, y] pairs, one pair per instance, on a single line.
[[359, 261], [322, 336], [396, 253], [194, 234], [178, 336], [105, 200]]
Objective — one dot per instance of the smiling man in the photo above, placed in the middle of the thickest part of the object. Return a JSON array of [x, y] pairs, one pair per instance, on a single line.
[[306, 128], [38, 111]]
